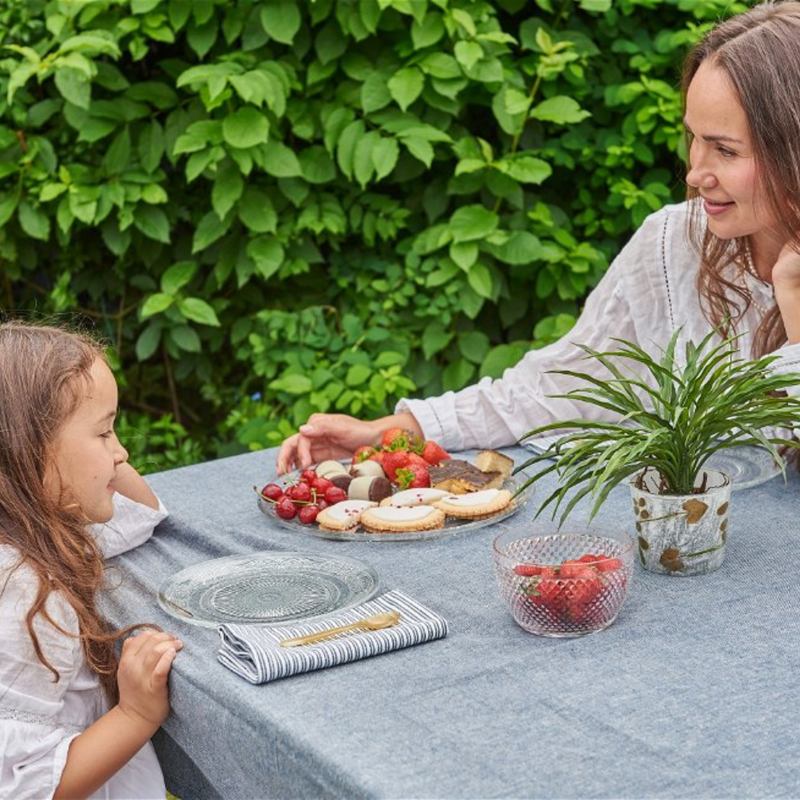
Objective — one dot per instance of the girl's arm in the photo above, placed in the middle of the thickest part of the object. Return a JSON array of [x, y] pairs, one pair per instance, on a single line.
[[107, 745]]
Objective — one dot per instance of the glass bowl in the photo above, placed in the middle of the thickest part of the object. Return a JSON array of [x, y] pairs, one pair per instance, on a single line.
[[549, 597]]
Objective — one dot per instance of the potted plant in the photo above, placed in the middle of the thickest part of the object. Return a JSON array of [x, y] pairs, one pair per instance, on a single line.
[[673, 414]]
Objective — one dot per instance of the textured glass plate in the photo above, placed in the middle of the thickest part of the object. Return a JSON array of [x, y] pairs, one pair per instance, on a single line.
[[451, 526], [265, 588], [746, 466]]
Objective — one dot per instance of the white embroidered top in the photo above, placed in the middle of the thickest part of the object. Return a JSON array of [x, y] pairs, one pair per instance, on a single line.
[[648, 292], [39, 718]]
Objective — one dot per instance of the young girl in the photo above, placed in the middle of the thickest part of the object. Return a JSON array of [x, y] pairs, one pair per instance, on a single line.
[[729, 253], [74, 722]]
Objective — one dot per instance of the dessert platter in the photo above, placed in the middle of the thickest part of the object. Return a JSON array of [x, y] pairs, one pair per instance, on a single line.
[[381, 495]]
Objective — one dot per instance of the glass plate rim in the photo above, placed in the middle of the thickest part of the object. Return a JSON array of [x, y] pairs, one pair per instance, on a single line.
[[769, 469], [179, 612]]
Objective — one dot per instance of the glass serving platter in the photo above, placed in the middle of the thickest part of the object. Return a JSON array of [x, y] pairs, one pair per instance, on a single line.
[[452, 526], [266, 588], [746, 466]]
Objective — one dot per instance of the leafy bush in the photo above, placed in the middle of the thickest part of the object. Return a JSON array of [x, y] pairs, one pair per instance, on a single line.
[[278, 207]]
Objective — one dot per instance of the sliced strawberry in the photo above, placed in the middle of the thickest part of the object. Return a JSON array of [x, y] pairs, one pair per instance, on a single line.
[[433, 453]]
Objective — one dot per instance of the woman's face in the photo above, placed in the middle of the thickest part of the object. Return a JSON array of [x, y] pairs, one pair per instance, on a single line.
[[722, 163]]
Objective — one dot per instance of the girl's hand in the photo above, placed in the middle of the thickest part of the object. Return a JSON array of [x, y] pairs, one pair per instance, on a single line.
[[142, 677]]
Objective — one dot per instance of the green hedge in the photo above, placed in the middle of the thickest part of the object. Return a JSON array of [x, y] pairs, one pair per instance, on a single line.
[[277, 207]]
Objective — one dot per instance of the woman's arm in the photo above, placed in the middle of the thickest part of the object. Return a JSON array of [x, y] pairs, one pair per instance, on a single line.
[[131, 484]]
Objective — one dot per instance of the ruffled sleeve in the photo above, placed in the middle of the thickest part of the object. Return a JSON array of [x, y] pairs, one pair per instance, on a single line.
[[132, 524], [34, 734]]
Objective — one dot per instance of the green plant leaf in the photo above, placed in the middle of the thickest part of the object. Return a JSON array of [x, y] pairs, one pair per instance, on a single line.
[[152, 222], [155, 304], [471, 223], [406, 85], [177, 276], [245, 128], [186, 338], [199, 311], [267, 253], [33, 221], [74, 87], [228, 188], [281, 20], [147, 342], [151, 146], [560, 109], [257, 212], [292, 384]]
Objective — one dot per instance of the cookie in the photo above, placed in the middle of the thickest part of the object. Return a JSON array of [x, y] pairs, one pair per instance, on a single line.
[[414, 497], [343, 516], [391, 519], [369, 487], [475, 505], [367, 468]]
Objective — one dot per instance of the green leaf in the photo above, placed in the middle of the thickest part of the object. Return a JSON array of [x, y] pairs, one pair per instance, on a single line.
[[316, 165], [33, 221], [559, 109], [346, 146], [468, 53], [199, 311], [210, 229], [246, 127], [151, 145], [457, 375], [257, 212], [186, 338], [8, 205], [500, 358], [280, 160], [227, 190], [480, 279], [152, 222], [465, 254], [281, 20], [156, 304], [435, 338], [470, 223], [474, 346], [177, 276], [406, 86], [74, 87], [117, 157], [420, 148], [358, 375], [385, 153], [267, 253], [375, 93], [521, 247], [428, 32], [525, 169], [292, 384], [148, 342]]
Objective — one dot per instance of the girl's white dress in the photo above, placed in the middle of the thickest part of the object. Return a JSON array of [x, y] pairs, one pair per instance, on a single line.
[[38, 717]]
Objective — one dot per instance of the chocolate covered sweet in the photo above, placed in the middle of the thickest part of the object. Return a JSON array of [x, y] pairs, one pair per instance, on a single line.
[[367, 468], [327, 468], [459, 477], [369, 487], [342, 480]]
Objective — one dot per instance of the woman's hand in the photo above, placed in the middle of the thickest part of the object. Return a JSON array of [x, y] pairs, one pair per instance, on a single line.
[[142, 677], [336, 436], [786, 282]]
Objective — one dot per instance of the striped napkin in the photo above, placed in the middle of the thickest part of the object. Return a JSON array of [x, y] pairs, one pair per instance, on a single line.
[[254, 651], [542, 443]]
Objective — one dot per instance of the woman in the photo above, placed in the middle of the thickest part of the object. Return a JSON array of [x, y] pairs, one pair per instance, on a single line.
[[729, 257]]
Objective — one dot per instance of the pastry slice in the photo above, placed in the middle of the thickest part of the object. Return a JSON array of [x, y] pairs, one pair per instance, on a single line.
[[460, 477], [492, 461]]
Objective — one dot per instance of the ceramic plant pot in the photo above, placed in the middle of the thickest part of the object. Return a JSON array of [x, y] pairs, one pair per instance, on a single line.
[[682, 534]]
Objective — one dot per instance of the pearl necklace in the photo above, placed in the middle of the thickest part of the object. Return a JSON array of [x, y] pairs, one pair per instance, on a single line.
[[751, 268]]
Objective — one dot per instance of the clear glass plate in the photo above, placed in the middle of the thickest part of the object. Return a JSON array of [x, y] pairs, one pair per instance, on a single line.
[[266, 588], [746, 466], [451, 527]]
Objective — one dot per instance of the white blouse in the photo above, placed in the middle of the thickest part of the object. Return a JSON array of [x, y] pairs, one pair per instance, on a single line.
[[648, 292], [39, 718]]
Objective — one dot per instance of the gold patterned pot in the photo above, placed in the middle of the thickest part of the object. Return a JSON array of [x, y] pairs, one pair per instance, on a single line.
[[682, 535]]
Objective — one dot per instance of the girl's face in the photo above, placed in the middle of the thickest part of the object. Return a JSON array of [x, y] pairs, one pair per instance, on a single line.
[[87, 451], [722, 163]]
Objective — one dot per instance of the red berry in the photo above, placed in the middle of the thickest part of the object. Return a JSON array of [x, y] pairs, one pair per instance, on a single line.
[[301, 493], [335, 495], [286, 509], [308, 475], [608, 564], [308, 514], [527, 570], [322, 504], [272, 492], [321, 485]]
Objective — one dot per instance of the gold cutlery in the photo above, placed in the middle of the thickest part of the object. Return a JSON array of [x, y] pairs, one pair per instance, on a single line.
[[373, 623]]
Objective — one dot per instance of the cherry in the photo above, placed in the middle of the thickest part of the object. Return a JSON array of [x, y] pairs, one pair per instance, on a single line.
[[301, 493], [321, 485], [308, 476], [335, 495], [308, 514], [272, 492], [286, 509], [322, 504]]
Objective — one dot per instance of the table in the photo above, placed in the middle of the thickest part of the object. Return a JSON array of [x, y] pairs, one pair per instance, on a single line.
[[691, 693]]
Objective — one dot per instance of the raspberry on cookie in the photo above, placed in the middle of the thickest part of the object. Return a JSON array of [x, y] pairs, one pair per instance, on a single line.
[[343, 516]]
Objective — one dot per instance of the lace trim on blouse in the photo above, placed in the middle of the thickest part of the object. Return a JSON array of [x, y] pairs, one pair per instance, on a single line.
[[31, 718]]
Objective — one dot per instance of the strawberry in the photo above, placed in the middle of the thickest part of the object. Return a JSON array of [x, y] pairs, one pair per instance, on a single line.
[[392, 461], [433, 453], [527, 570], [396, 439], [608, 564], [413, 476], [576, 569], [363, 453], [378, 456]]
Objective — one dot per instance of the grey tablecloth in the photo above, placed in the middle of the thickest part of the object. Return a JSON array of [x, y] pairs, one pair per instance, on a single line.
[[691, 693]]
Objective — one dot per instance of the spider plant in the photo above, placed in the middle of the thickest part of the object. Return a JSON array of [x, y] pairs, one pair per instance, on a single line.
[[672, 417]]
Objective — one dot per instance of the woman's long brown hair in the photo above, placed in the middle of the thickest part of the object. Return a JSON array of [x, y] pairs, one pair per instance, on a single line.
[[44, 375], [759, 51]]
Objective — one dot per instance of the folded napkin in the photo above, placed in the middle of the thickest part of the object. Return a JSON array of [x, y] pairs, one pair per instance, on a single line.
[[542, 443], [254, 651]]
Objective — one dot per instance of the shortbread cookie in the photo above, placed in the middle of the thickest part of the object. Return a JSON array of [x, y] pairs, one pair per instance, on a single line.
[[369, 487], [390, 519], [343, 516], [475, 505], [415, 497]]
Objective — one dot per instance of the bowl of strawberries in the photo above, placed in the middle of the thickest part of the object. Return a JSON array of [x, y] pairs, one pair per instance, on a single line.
[[564, 584]]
